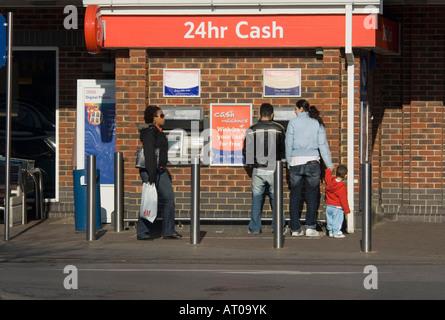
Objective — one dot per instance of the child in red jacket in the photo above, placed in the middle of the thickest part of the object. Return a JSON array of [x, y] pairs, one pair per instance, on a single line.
[[336, 201]]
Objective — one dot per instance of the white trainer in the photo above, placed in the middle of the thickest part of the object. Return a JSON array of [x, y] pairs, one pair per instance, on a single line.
[[298, 233], [312, 233], [339, 236]]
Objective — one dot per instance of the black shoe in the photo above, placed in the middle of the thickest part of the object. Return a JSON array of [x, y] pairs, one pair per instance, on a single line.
[[175, 235], [145, 238]]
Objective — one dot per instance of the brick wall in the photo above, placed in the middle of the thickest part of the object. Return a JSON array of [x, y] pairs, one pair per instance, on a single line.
[[407, 95], [408, 126], [227, 76]]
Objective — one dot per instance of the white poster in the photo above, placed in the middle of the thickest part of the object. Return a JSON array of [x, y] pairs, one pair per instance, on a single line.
[[182, 83], [282, 83]]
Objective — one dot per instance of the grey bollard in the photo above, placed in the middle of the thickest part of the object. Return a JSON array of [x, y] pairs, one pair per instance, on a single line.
[[91, 197], [195, 203], [366, 221], [278, 238], [118, 192]]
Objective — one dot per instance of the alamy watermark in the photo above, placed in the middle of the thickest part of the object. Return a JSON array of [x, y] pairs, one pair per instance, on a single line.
[[71, 280], [371, 280], [71, 20]]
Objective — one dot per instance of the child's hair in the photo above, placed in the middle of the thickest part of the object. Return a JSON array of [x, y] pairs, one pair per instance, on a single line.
[[341, 171]]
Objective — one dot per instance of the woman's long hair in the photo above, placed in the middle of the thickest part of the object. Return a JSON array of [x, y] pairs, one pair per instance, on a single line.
[[149, 113], [311, 110]]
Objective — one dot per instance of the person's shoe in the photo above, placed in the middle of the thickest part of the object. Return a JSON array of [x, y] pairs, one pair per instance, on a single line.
[[339, 235], [253, 232], [175, 235], [312, 233], [331, 235], [298, 233], [147, 237]]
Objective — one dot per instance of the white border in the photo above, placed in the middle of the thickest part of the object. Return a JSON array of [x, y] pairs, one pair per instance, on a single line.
[[106, 190]]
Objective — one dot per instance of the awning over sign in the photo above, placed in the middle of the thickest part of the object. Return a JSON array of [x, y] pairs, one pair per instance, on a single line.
[[237, 31]]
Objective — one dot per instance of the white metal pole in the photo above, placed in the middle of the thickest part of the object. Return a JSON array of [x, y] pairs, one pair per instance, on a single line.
[[350, 139]]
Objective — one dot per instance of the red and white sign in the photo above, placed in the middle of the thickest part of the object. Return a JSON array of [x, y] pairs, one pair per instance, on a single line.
[[232, 31], [228, 124]]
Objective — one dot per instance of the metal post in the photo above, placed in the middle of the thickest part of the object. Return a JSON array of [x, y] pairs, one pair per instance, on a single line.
[[366, 223], [118, 192], [91, 197], [194, 219], [278, 239], [8, 126]]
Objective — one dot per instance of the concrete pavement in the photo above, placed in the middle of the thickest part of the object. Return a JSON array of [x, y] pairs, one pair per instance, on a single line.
[[56, 240]]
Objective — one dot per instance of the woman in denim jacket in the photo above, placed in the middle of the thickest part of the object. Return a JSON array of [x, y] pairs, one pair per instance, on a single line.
[[305, 142]]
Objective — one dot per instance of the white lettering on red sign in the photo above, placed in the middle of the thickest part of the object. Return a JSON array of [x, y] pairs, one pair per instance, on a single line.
[[242, 30]]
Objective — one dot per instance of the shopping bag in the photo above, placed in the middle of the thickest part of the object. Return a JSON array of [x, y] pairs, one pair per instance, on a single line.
[[149, 202]]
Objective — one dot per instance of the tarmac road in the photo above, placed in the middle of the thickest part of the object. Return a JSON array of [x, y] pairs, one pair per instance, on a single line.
[[407, 262], [195, 282]]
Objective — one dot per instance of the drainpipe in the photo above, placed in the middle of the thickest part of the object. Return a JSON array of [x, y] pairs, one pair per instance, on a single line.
[[350, 139]]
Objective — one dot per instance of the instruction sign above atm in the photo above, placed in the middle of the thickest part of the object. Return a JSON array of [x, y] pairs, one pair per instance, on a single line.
[[227, 31]]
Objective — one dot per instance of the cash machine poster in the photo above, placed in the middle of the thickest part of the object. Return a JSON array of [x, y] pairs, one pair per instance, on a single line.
[[100, 114], [182, 82], [229, 123], [282, 82]]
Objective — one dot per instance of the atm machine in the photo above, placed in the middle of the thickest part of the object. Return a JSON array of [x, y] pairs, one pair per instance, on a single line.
[[283, 115], [183, 127]]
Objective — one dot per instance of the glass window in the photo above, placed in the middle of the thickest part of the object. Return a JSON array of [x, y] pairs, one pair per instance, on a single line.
[[33, 114]]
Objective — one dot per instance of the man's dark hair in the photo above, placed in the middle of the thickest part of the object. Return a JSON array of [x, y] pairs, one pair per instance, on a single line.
[[266, 110]]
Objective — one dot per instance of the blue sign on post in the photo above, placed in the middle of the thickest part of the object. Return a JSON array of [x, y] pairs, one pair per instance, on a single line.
[[2, 41]]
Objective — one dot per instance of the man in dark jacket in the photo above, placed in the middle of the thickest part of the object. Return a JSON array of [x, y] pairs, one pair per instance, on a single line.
[[264, 144]]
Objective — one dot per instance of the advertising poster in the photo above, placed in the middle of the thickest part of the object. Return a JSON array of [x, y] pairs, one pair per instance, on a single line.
[[182, 82], [282, 83], [228, 123], [100, 113]]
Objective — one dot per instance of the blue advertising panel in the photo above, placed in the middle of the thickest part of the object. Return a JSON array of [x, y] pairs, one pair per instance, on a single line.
[[2, 41], [100, 132]]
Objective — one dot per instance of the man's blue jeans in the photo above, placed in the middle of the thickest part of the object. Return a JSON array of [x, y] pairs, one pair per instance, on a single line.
[[298, 174], [259, 183], [165, 196]]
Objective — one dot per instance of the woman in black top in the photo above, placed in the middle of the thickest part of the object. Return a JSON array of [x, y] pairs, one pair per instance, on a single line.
[[155, 145]]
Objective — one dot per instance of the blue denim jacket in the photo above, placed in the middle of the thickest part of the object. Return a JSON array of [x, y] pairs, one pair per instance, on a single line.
[[306, 137]]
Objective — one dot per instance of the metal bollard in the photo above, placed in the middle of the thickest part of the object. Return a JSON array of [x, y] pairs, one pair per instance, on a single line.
[[118, 192], [91, 197], [195, 203], [278, 239], [366, 223], [8, 126]]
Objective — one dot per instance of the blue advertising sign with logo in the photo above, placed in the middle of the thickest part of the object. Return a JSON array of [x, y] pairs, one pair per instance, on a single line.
[[2, 41]]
